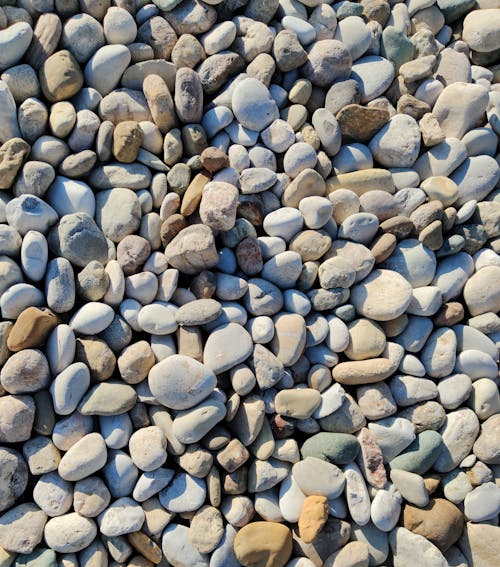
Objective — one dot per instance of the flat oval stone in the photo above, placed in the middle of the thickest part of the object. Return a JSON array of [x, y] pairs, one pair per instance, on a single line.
[[69, 387], [180, 382], [382, 296], [413, 261], [69, 533], [226, 347], [268, 540], [193, 424], [123, 516], [459, 432], [252, 105], [439, 353], [84, 458], [185, 493], [315, 476], [337, 448], [198, 312], [108, 398], [289, 337]]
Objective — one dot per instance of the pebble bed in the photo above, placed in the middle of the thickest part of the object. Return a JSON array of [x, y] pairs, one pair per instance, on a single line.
[[249, 283]]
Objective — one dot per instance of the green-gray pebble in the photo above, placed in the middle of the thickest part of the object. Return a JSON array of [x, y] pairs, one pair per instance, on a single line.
[[421, 454], [108, 398], [337, 448]]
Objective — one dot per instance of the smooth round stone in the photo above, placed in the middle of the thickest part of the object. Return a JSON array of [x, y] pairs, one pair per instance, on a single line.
[[105, 68], [178, 549], [283, 269], [193, 424], [158, 318], [485, 399], [69, 387], [338, 448], [327, 60], [13, 478], [289, 338], [120, 474], [453, 390], [69, 533], [317, 211], [268, 539], [459, 432], [118, 213], [385, 508], [147, 447], [85, 457], [481, 30], [18, 298], [53, 494], [92, 318], [298, 157], [28, 212], [150, 483], [355, 34], [338, 337], [393, 435], [452, 273], [185, 493], [226, 347], [358, 255], [476, 364], [359, 227], [317, 477], [284, 222], [411, 486], [397, 144], [374, 75], [60, 348], [119, 26], [198, 312], [375, 539], [421, 454], [261, 329], [252, 105], [483, 503], [439, 353], [34, 255], [278, 136], [180, 382], [68, 196], [366, 340], [480, 293], [123, 516], [413, 261], [382, 296], [116, 430], [14, 41], [358, 500]]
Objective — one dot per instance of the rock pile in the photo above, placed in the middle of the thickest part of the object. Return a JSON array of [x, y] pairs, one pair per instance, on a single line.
[[249, 283]]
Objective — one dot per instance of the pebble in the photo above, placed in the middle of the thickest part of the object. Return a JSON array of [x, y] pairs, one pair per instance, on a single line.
[[249, 208]]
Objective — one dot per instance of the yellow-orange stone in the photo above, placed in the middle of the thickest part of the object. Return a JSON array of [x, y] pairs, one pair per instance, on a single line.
[[313, 517]]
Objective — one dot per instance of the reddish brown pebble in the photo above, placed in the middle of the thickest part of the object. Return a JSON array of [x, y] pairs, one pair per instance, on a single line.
[[213, 159], [249, 256]]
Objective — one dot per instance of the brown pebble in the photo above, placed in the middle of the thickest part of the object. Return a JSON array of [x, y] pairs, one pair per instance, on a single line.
[[171, 228], [383, 247], [97, 355], [250, 207], [431, 482], [192, 197], [450, 314], [249, 256], [400, 226], [204, 285], [441, 522], [31, 328], [213, 159], [127, 140]]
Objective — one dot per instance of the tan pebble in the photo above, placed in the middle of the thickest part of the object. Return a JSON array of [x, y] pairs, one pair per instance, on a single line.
[[313, 516]]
